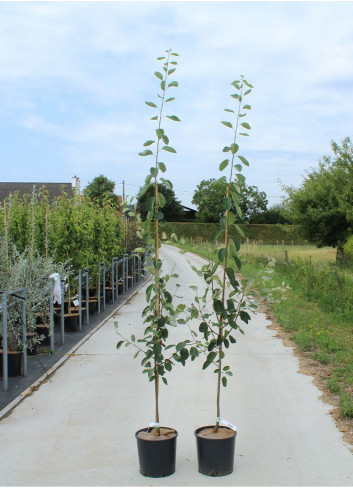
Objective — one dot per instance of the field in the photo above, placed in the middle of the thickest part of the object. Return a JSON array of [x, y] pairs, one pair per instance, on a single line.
[[316, 316]]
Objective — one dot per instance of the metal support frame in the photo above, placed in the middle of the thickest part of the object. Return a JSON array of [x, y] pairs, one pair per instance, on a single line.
[[62, 312], [4, 310], [85, 276]]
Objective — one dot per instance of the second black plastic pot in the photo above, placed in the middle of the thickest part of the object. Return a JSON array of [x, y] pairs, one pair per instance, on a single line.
[[156, 457], [215, 455]]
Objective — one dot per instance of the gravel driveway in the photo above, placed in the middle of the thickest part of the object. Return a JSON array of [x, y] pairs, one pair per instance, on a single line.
[[78, 429]]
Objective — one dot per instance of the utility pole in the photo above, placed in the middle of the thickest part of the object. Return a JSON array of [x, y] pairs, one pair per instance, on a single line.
[[123, 190]]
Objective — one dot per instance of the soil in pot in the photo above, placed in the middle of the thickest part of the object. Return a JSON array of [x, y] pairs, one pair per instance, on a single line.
[[215, 451], [157, 454], [14, 363]]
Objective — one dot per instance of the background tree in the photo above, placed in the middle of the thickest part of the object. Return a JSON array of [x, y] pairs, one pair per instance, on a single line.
[[209, 196], [101, 190], [322, 205], [273, 215], [172, 210]]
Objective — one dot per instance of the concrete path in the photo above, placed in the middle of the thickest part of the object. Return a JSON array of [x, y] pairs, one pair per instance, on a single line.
[[78, 429]]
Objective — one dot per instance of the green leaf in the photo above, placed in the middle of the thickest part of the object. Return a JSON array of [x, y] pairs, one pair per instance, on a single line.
[[173, 118], [170, 99], [216, 235], [232, 278], [171, 71], [246, 125], [211, 356], [221, 254], [159, 133], [247, 92], [169, 148], [224, 381], [161, 199], [227, 203], [158, 75], [165, 380], [218, 307], [229, 110], [240, 231], [228, 124], [173, 84], [231, 218], [223, 165], [160, 58], [159, 216], [133, 338], [226, 149], [163, 85], [119, 344], [151, 104], [247, 107], [147, 152], [154, 171], [174, 54], [237, 261], [234, 148], [167, 183], [243, 160], [165, 139], [154, 118], [180, 346], [235, 240], [149, 142], [162, 166]]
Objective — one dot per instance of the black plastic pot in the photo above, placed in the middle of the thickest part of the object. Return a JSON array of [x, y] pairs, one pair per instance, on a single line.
[[71, 322], [156, 457], [14, 363], [215, 456]]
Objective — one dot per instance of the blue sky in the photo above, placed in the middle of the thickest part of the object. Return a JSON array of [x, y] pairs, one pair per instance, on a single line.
[[74, 77]]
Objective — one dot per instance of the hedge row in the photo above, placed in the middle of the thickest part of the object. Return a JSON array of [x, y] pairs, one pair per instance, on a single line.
[[265, 233]]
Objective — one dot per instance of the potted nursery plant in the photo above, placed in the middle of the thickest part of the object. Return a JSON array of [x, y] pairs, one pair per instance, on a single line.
[[157, 444], [230, 300]]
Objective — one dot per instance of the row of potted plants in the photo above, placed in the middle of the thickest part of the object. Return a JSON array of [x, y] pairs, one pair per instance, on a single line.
[[37, 293], [230, 300]]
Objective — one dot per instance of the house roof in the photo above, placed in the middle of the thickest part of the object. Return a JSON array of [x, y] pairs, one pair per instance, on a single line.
[[26, 188]]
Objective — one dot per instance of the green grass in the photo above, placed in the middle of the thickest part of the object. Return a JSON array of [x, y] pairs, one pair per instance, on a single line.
[[317, 311]]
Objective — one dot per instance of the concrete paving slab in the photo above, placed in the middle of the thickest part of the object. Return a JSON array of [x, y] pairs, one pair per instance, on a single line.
[[78, 429]]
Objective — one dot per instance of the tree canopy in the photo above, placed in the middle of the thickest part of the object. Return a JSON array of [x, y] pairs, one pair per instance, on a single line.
[[209, 196], [173, 210], [101, 190], [322, 206]]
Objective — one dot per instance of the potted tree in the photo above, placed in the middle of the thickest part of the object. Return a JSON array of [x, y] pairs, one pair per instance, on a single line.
[[157, 444], [231, 300]]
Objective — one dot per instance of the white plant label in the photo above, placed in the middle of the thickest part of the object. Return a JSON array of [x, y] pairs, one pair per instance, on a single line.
[[154, 425], [75, 303], [227, 423]]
